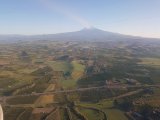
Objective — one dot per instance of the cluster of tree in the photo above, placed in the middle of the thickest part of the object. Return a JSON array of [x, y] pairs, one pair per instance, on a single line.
[[95, 95], [24, 56], [124, 104], [94, 80]]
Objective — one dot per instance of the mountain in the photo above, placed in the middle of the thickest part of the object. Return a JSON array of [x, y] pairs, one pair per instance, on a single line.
[[86, 34]]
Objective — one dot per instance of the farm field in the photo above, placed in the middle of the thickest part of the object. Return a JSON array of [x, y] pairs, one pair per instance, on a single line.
[[153, 62], [107, 107], [42, 82]]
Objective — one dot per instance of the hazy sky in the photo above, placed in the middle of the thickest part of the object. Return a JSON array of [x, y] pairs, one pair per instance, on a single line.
[[134, 17]]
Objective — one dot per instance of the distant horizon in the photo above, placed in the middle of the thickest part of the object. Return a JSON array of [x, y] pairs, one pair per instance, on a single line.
[[74, 31], [35, 17]]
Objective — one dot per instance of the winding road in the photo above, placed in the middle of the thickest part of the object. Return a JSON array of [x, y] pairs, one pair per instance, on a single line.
[[3, 98]]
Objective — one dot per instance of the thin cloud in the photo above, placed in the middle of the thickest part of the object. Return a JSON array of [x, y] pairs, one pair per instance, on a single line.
[[54, 6]]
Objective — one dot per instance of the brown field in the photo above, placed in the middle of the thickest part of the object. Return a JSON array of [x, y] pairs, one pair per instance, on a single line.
[[4, 62], [51, 87], [44, 100]]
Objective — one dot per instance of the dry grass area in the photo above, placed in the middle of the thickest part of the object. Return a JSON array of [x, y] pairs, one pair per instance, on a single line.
[[55, 115], [154, 62], [3, 63], [50, 88], [44, 100], [76, 74], [153, 100]]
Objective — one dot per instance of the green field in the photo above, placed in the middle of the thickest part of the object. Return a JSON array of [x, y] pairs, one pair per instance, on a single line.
[[91, 114], [68, 84], [78, 70], [107, 107], [75, 68], [60, 66]]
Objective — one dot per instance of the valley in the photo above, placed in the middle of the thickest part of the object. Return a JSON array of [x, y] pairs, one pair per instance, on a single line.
[[79, 80]]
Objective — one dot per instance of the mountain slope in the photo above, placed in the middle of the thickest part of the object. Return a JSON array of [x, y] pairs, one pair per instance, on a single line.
[[85, 34]]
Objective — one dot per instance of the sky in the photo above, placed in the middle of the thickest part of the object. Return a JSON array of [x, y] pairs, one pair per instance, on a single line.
[[131, 17]]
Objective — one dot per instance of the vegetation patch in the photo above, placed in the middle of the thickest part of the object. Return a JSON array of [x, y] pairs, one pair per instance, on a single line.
[[22, 100], [153, 62], [60, 66], [91, 114], [13, 113], [78, 70], [108, 107]]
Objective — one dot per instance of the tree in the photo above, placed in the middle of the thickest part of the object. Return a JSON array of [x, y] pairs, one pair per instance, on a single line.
[[126, 104], [146, 110]]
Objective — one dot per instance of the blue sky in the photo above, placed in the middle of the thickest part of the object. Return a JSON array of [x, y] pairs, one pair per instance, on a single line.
[[133, 17]]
